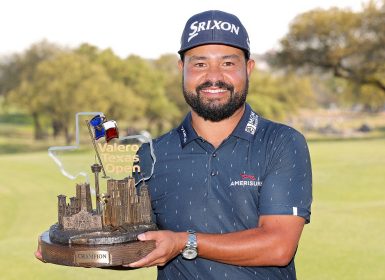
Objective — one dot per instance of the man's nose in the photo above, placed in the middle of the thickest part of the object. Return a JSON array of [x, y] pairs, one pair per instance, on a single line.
[[214, 74]]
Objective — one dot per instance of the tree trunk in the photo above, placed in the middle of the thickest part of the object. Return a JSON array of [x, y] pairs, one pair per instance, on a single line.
[[57, 127], [68, 136], [38, 130]]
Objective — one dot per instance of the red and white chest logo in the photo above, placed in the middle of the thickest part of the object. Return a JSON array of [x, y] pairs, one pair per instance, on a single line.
[[246, 180]]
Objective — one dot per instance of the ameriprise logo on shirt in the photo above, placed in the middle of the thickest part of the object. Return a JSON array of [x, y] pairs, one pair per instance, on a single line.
[[247, 180], [252, 123]]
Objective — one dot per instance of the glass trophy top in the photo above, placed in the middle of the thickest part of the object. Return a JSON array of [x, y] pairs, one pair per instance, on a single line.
[[100, 146]]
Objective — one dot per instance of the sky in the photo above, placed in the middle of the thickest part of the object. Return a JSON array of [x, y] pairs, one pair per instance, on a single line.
[[148, 28]]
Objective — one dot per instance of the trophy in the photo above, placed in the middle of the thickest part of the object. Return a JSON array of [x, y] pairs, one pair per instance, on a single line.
[[104, 235]]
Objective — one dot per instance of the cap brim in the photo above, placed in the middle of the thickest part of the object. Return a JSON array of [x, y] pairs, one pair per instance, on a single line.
[[181, 51]]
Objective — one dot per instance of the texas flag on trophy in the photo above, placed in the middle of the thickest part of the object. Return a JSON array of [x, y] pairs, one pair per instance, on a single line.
[[102, 127], [111, 130]]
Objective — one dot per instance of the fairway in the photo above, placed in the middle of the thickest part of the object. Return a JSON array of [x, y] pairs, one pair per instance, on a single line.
[[345, 239]]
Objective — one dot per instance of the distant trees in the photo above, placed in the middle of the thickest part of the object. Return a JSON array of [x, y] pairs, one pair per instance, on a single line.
[[51, 83], [17, 76], [347, 44], [278, 95], [332, 55]]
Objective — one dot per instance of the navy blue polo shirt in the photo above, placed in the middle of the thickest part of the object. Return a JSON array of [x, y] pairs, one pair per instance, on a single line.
[[262, 168]]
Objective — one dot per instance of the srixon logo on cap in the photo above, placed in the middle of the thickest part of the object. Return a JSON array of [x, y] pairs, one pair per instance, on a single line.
[[197, 27]]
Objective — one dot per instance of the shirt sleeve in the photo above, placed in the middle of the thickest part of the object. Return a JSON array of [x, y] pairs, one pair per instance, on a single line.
[[287, 187], [145, 161]]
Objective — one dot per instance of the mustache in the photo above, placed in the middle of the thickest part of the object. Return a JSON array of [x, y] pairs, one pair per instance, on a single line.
[[218, 84]]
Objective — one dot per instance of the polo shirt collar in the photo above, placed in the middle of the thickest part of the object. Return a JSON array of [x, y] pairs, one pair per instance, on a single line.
[[248, 125], [186, 131], [245, 129]]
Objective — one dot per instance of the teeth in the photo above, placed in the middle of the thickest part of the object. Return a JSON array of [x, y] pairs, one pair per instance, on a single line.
[[215, 90]]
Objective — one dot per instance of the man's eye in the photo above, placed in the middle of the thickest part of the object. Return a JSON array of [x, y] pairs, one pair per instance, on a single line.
[[200, 64], [228, 63]]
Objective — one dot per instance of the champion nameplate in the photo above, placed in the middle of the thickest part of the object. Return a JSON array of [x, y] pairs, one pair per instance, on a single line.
[[92, 257]]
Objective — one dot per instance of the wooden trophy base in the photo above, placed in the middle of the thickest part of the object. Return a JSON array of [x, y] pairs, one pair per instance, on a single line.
[[93, 255]]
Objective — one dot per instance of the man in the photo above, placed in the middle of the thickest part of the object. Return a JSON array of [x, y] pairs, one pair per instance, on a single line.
[[231, 191]]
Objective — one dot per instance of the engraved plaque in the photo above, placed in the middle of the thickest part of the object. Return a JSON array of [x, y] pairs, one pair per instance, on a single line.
[[93, 257]]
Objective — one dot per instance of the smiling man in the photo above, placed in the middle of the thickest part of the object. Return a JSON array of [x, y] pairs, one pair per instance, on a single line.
[[231, 191]]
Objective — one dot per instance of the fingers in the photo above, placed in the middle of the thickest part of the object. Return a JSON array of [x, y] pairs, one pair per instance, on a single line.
[[152, 259], [165, 250], [38, 253], [149, 235]]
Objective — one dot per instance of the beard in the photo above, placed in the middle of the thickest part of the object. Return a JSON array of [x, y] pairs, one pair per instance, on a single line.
[[213, 111]]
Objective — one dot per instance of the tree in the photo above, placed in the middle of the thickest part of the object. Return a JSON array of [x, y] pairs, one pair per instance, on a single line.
[[69, 83], [17, 74], [348, 44], [148, 84], [18, 67], [155, 83], [167, 65], [113, 64], [275, 96]]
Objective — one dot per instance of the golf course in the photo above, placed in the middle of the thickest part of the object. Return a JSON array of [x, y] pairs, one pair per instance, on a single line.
[[344, 240]]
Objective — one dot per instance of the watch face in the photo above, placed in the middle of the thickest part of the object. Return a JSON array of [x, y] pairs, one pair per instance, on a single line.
[[190, 253]]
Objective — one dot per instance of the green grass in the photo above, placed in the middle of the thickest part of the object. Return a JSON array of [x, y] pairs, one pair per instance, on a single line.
[[345, 239], [29, 184]]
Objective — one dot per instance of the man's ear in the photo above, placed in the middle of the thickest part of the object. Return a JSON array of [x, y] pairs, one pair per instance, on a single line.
[[250, 66], [180, 65]]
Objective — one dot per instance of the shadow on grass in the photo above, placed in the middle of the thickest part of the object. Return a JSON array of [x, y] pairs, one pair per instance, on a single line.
[[32, 148], [15, 119], [19, 148]]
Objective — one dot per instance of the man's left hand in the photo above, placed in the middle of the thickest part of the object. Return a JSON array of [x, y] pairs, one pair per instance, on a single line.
[[169, 244]]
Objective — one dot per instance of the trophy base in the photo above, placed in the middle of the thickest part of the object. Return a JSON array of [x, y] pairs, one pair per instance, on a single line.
[[93, 255]]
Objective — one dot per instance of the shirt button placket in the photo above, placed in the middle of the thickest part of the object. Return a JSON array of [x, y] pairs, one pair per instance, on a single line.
[[212, 173]]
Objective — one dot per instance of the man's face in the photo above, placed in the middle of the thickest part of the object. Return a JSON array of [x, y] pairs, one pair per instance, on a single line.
[[215, 80]]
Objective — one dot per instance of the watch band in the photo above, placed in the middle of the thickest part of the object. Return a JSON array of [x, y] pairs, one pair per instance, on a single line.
[[190, 251], [192, 239]]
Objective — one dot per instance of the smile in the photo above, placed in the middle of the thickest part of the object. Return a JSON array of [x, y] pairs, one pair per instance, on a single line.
[[214, 91]]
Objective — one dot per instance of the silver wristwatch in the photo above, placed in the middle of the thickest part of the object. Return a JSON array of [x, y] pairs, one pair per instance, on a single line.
[[190, 251]]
